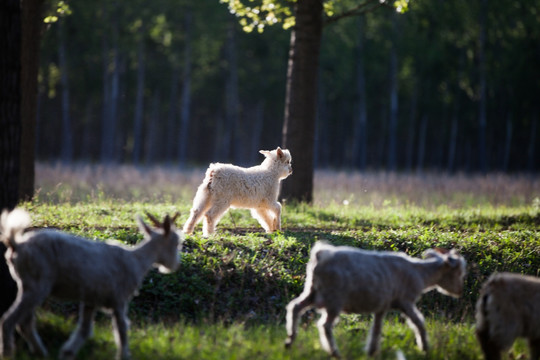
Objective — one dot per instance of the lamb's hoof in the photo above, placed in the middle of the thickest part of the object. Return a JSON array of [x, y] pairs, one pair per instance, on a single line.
[[288, 343]]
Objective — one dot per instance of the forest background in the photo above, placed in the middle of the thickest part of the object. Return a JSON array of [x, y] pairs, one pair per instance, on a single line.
[[448, 85]]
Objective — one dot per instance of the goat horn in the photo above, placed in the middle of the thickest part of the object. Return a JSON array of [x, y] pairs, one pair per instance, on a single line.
[[154, 220]]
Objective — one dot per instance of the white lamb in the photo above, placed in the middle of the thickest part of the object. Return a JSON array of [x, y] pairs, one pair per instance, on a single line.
[[254, 188], [99, 275], [357, 281], [508, 308]]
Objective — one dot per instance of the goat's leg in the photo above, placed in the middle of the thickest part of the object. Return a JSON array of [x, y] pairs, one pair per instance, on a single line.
[[27, 328], [262, 217], [22, 309], [534, 348], [82, 332], [276, 210], [201, 203], [213, 215], [326, 324], [121, 326], [374, 337], [416, 322], [295, 309], [490, 348]]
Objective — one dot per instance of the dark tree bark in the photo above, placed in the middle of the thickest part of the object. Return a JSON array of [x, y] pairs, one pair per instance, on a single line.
[[393, 119], [482, 122], [301, 98], [185, 104], [10, 102], [139, 101], [32, 27], [359, 147], [67, 137]]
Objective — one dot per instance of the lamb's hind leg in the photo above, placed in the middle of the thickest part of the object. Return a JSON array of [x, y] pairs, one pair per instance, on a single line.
[[212, 217], [21, 312], [295, 309], [78, 337], [27, 328], [201, 203], [326, 324], [374, 338]]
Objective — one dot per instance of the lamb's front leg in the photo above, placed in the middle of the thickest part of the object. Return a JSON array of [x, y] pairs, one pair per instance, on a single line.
[[78, 337], [416, 322], [120, 326], [275, 208]]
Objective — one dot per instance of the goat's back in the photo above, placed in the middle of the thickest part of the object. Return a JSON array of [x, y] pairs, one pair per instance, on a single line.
[[367, 281], [76, 268], [511, 302], [241, 185]]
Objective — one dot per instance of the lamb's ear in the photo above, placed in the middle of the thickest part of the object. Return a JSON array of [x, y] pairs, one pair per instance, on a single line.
[[431, 253], [145, 229], [279, 153], [265, 152]]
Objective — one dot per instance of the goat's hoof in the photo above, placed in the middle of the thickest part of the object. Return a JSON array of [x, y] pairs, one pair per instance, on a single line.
[[288, 343]]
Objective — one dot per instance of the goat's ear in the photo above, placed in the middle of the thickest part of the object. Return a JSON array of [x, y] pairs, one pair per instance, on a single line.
[[431, 253], [154, 220], [143, 226], [265, 152], [279, 153], [167, 225]]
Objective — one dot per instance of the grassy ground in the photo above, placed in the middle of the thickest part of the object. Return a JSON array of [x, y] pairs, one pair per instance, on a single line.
[[228, 298]]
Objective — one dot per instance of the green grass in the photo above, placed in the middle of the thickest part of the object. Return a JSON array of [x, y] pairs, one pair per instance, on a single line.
[[227, 301]]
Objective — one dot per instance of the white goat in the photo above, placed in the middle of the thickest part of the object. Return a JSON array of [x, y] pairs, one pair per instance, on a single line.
[[254, 188], [99, 275], [508, 308], [358, 281]]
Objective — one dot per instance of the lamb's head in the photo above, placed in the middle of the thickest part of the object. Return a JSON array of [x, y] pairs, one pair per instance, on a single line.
[[453, 271], [279, 160], [168, 239]]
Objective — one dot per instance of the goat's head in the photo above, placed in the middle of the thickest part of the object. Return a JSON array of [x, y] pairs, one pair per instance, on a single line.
[[453, 272], [169, 241], [280, 160]]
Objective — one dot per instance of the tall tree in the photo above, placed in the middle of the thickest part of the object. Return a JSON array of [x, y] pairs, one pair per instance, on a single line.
[[32, 26], [67, 136], [10, 102], [301, 98], [307, 23]]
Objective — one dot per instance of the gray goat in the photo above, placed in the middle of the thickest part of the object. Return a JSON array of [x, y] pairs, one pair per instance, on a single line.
[[350, 280], [99, 275], [508, 308]]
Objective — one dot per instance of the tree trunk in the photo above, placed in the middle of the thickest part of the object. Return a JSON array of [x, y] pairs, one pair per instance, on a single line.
[[139, 101], [232, 108], [531, 164], [67, 137], [152, 140], [301, 98], [112, 88], [393, 119], [31, 37], [411, 132], [482, 122], [185, 102], [507, 143], [360, 124], [421, 145], [10, 102]]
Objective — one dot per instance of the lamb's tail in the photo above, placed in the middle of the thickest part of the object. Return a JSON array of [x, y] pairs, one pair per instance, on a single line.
[[12, 226]]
